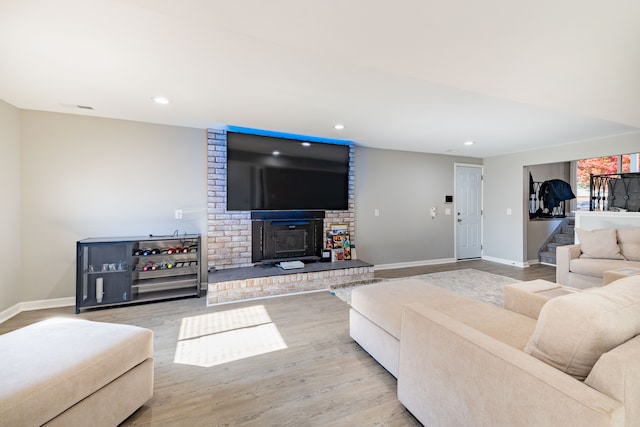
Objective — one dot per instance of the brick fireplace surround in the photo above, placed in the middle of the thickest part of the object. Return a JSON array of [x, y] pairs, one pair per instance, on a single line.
[[229, 242]]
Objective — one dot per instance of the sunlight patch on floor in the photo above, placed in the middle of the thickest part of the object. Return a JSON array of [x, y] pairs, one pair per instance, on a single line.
[[216, 338]]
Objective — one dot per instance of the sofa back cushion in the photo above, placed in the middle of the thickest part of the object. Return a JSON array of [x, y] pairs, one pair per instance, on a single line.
[[574, 330], [599, 243], [629, 242]]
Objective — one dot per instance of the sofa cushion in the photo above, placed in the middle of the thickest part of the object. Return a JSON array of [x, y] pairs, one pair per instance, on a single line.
[[574, 330], [596, 267], [629, 242], [599, 243], [382, 304]]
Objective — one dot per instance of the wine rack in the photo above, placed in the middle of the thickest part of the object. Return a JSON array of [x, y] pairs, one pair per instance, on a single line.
[[120, 271]]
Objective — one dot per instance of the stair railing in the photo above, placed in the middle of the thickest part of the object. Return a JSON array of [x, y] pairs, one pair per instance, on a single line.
[[614, 191], [536, 204]]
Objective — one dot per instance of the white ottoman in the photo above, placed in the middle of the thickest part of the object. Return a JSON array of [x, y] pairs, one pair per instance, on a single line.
[[74, 372]]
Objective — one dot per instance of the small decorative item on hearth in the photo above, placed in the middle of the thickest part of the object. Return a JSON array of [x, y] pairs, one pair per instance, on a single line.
[[339, 242]]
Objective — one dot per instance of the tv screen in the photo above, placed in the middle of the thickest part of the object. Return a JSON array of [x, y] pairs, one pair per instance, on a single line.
[[269, 173]]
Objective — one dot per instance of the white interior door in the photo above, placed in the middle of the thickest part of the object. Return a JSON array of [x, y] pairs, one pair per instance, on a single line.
[[468, 209]]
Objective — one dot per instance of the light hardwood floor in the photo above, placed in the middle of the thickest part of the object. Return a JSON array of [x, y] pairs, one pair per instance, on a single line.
[[322, 378]]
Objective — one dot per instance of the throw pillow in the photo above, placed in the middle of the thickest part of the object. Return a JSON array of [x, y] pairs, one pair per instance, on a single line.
[[599, 243], [629, 241], [574, 330]]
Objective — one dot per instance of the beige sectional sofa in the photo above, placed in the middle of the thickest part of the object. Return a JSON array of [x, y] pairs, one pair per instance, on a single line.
[[583, 265], [464, 362], [73, 372]]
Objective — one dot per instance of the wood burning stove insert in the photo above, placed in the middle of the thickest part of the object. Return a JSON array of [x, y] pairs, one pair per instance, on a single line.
[[286, 235]]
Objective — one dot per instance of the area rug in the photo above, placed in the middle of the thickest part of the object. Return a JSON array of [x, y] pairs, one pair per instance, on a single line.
[[468, 282]]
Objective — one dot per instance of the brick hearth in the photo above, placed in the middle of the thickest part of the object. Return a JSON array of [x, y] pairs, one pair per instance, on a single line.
[[254, 282]]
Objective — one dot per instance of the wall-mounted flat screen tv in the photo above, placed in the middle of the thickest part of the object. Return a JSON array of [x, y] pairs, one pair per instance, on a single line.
[[270, 173]]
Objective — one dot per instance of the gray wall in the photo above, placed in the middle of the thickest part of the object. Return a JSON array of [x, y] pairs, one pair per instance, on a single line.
[[404, 186], [10, 288], [91, 177], [549, 171], [67, 177], [506, 184]]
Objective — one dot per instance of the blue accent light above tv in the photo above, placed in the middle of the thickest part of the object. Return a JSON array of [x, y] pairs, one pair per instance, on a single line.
[[285, 135], [268, 172]]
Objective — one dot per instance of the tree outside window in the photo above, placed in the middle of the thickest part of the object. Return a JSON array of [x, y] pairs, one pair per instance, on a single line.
[[600, 166]]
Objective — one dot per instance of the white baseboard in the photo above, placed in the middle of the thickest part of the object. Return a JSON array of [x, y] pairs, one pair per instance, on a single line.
[[534, 261], [36, 305], [506, 261], [9, 312], [413, 264]]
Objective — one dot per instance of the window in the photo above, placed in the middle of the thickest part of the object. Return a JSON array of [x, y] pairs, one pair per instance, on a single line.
[[600, 166], [630, 162]]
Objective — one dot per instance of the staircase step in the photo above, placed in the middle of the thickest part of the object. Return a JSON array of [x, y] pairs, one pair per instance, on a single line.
[[551, 247], [566, 239], [566, 236], [548, 258]]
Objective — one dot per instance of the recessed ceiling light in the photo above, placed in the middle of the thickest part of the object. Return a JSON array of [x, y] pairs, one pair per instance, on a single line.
[[338, 126], [276, 153], [469, 143], [306, 144], [160, 100]]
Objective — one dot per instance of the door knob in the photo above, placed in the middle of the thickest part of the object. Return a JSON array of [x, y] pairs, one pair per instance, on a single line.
[[459, 220]]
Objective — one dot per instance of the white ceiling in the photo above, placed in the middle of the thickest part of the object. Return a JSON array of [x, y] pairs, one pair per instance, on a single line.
[[417, 75]]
